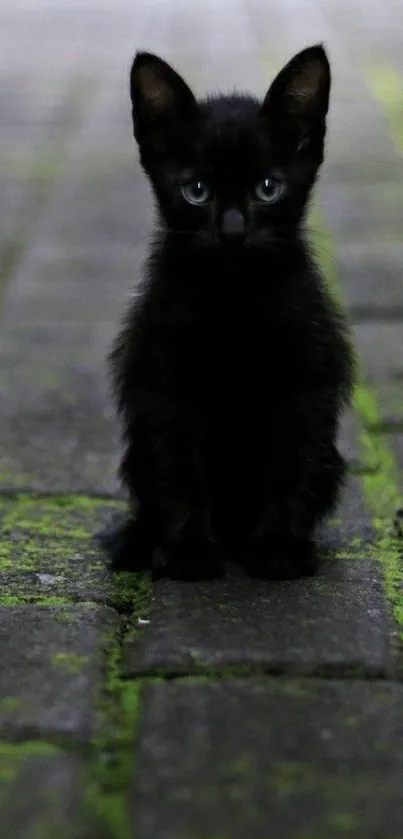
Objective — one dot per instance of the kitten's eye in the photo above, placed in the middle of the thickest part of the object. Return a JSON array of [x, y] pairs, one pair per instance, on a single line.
[[268, 190], [196, 192]]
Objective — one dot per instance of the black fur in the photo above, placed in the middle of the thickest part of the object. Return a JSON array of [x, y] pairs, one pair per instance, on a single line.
[[234, 364]]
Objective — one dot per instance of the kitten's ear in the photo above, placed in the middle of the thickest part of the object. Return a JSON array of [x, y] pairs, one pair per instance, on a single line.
[[299, 96], [159, 96]]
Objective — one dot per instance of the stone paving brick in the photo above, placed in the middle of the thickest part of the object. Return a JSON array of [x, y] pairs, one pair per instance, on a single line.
[[59, 431], [67, 302], [389, 397], [368, 257], [382, 222], [43, 794], [269, 757], [331, 622], [47, 552], [40, 113], [52, 669], [372, 279], [61, 312], [340, 618], [381, 348]]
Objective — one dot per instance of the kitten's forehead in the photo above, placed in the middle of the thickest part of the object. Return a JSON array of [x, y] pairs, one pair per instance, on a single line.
[[232, 108], [232, 129]]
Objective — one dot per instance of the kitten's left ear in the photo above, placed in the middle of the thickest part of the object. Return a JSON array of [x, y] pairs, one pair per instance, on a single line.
[[299, 96]]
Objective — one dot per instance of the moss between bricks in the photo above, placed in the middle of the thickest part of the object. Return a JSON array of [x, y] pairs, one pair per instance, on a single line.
[[108, 792], [384, 497], [381, 486], [58, 523], [12, 754]]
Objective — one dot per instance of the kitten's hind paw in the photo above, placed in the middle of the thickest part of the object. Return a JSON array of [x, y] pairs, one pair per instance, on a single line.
[[188, 559], [277, 557], [126, 544]]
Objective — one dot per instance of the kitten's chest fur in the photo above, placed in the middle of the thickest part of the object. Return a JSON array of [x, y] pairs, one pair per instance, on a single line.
[[230, 350], [237, 327]]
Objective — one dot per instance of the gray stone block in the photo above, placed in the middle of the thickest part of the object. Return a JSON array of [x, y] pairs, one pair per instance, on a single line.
[[269, 757], [363, 213], [371, 274], [53, 660], [59, 431], [381, 348], [80, 253], [44, 793], [317, 625], [349, 532], [338, 619], [389, 398]]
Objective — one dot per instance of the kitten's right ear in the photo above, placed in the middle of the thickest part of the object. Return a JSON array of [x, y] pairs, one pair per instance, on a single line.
[[160, 98], [297, 101]]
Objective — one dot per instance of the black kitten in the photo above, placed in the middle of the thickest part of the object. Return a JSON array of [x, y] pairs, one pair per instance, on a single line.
[[234, 363]]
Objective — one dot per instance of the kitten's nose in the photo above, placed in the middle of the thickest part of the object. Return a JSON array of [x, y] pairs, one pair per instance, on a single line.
[[232, 226]]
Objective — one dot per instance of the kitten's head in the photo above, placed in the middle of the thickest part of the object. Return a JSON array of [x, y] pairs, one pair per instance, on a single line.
[[229, 169]]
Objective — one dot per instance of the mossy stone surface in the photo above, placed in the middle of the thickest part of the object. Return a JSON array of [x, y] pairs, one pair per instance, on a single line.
[[259, 758], [52, 668]]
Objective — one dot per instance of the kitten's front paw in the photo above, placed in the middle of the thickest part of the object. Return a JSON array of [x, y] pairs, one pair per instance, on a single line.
[[277, 557], [189, 559], [126, 545]]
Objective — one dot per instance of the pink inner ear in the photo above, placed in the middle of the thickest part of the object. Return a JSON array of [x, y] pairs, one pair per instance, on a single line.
[[153, 88]]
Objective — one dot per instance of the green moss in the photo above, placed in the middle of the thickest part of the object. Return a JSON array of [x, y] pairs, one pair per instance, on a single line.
[[381, 486], [72, 662], [71, 516], [383, 495], [30, 748], [336, 799], [293, 687], [39, 600], [108, 792], [9, 702], [132, 592], [86, 502], [343, 821], [12, 754], [352, 721], [45, 534], [54, 536], [239, 766]]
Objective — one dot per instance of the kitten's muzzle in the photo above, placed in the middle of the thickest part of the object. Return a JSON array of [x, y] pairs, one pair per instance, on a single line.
[[232, 227]]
